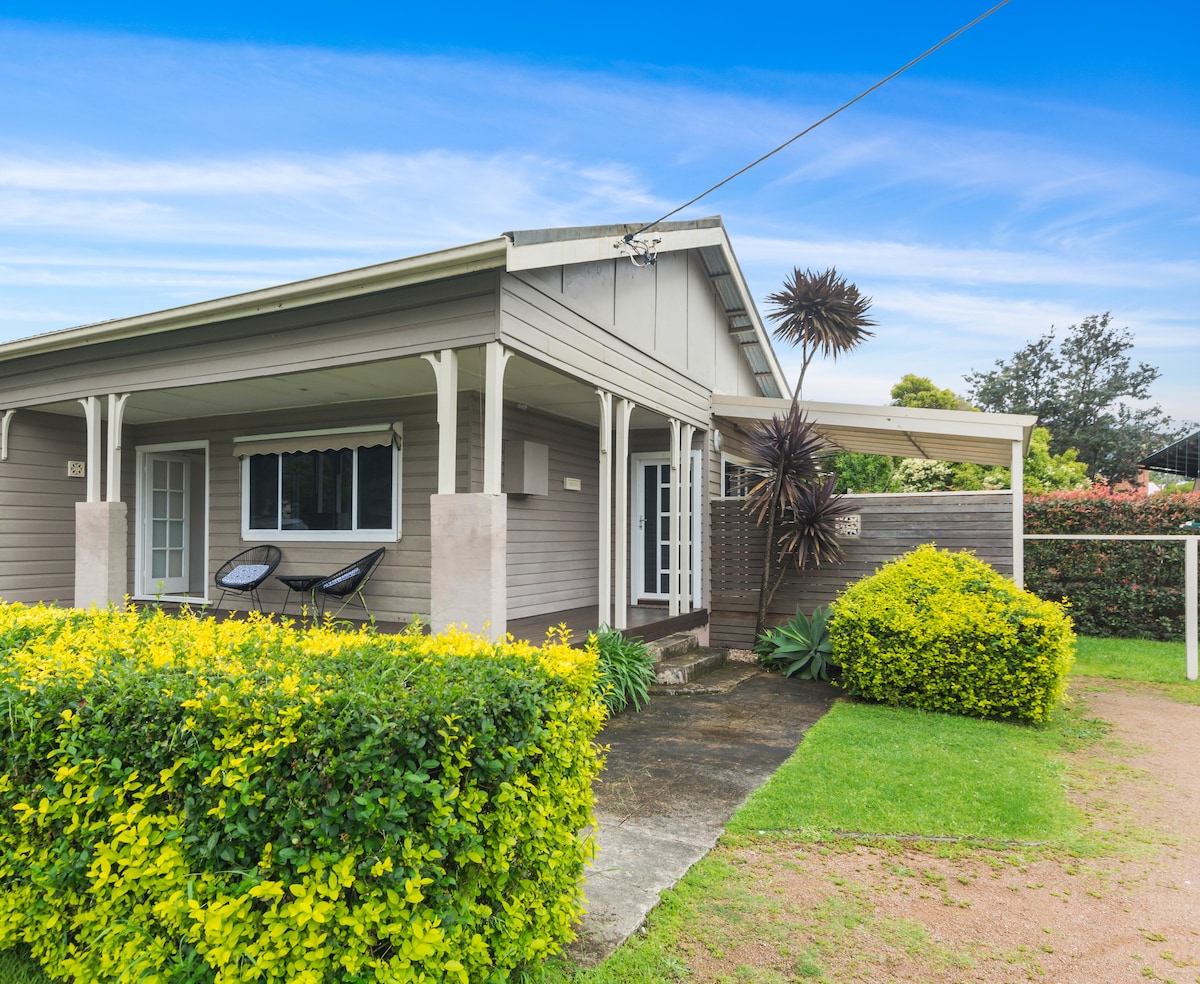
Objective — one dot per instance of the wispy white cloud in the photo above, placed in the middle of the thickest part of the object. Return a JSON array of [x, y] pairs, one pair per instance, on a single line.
[[360, 201], [930, 264], [137, 174]]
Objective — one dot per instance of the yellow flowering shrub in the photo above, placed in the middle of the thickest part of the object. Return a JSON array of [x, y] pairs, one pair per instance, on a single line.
[[187, 800], [945, 632]]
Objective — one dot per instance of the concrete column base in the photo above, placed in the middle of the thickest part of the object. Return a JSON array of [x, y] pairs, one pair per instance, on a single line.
[[469, 562], [101, 554]]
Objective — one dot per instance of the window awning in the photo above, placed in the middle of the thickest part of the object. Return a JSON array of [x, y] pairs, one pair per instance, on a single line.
[[334, 439]]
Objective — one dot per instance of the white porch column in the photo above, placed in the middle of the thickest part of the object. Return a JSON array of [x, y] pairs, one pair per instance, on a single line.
[[605, 508], [685, 517], [621, 520], [1018, 491], [673, 525], [5, 420], [445, 371], [116, 415], [101, 528], [91, 414], [493, 416]]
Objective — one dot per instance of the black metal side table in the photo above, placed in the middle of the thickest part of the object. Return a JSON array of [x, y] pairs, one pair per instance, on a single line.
[[302, 584]]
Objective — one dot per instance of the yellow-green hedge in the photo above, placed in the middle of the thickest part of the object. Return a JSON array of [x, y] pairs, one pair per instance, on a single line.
[[945, 632], [186, 800]]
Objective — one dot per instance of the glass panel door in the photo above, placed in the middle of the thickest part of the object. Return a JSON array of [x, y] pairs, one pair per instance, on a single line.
[[652, 527], [166, 518]]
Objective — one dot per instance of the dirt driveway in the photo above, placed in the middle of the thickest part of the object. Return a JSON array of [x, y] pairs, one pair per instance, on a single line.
[[874, 914]]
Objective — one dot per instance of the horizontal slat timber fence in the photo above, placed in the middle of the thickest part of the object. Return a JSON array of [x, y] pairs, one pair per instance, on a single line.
[[888, 526]]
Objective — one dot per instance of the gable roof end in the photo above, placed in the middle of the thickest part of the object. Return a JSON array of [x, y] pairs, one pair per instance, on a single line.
[[535, 248]]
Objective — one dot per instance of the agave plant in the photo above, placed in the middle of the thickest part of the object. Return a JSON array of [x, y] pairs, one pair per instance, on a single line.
[[800, 647]]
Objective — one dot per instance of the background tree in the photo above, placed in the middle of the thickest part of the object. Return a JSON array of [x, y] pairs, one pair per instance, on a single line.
[[877, 472], [788, 491], [1044, 470], [1085, 391], [917, 391]]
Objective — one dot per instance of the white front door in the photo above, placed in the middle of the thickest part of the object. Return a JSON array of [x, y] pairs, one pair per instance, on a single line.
[[166, 534], [650, 539]]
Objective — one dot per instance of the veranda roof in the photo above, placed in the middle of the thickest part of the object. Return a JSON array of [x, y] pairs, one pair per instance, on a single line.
[[907, 432], [1180, 458]]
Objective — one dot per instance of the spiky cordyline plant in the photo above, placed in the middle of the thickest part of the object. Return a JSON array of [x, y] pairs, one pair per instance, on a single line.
[[820, 312], [785, 452], [810, 532], [789, 495]]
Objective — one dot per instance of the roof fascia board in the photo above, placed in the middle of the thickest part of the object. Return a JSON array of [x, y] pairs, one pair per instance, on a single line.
[[535, 256], [487, 255], [914, 420]]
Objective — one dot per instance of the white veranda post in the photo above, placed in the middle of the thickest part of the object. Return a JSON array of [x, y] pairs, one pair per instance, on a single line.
[[116, 414], [445, 371], [91, 416], [605, 510], [621, 560], [493, 419], [687, 431], [1017, 484]]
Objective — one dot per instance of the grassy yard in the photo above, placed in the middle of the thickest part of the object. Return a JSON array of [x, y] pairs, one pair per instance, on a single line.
[[1140, 660], [882, 775], [16, 968], [869, 773]]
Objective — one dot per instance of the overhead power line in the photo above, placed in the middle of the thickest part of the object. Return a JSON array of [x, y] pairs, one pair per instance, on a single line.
[[629, 237]]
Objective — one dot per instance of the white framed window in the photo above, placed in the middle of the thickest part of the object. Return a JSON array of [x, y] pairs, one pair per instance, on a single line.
[[734, 475], [336, 484]]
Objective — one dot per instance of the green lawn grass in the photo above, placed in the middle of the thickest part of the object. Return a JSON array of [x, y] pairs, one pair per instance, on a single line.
[[871, 769], [17, 968], [1130, 659]]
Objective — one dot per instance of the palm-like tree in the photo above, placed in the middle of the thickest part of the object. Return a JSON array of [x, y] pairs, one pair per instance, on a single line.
[[822, 313]]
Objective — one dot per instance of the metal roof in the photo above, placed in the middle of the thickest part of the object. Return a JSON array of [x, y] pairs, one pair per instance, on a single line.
[[1180, 458], [520, 250], [907, 432]]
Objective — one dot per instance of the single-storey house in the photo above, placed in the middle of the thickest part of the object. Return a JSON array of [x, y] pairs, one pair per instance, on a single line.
[[528, 425]]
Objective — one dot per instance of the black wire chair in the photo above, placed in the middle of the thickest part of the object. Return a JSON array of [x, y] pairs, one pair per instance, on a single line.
[[347, 584], [245, 572]]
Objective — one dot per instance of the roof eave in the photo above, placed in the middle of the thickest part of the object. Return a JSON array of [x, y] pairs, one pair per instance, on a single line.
[[487, 255], [971, 425]]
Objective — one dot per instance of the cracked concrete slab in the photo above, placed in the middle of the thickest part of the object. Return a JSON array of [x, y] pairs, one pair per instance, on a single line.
[[675, 774]]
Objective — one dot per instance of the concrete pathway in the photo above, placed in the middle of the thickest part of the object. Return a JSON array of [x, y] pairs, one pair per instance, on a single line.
[[675, 773]]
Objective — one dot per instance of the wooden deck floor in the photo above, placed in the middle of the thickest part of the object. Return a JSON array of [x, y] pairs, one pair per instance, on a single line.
[[644, 622]]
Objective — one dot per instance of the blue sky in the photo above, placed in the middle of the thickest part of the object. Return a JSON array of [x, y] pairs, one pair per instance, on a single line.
[[1043, 167]]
